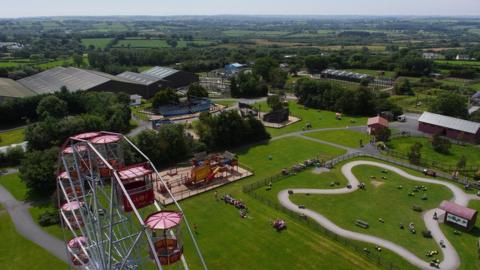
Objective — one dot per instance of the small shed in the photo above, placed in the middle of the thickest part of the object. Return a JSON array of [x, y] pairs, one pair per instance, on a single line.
[[375, 124], [459, 216], [135, 100]]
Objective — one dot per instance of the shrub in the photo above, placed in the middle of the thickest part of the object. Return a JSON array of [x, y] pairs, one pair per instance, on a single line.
[[427, 234], [417, 208], [49, 218]]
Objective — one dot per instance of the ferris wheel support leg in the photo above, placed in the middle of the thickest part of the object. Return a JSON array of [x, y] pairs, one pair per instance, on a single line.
[[110, 229]]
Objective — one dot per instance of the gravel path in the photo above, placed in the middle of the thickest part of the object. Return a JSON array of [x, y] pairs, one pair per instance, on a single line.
[[451, 259]]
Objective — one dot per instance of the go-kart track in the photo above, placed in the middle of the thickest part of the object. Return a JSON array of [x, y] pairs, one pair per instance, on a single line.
[[451, 259]]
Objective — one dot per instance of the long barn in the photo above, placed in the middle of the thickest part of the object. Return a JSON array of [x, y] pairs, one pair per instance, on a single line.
[[450, 127]]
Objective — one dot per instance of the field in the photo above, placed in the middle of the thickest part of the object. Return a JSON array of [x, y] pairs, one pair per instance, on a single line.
[[409, 103], [348, 138], [12, 136], [97, 42], [403, 145], [148, 43], [317, 118], [18, 253], [241, 33], [376, 202]]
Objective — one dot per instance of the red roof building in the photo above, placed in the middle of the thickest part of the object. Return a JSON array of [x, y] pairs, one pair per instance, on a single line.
[[375, 124], [459, 216]]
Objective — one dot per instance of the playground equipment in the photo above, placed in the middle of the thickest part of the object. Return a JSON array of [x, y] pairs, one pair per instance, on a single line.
[[207, 167], [100, 197]]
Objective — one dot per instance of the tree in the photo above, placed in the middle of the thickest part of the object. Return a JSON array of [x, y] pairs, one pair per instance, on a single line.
[[264, 67], [274, 102], [164, 97], [248, 85], [316, 63], [383, 135], [403, 87], [450, 104], [78, 59], [415, 156], [440, 144], [52, 106], [38, 171], [196, 90], [462, 162]]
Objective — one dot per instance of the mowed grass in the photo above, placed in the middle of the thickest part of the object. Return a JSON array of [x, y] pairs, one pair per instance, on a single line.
[[12, 136], [381, 199], [471, 152], [317, 118], [143, 43], [97, 42], [348, 138], [18, 253], [252, 243], [15, 186]]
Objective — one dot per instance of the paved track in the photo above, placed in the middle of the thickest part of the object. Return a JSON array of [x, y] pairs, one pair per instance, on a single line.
[[451, 259]]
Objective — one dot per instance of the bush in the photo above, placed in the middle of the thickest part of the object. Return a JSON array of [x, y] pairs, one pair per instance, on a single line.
[[427, 234], [441, 145], [49, 218]]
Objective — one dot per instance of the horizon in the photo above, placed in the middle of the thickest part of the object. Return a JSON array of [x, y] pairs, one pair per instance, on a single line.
[[111, 8]]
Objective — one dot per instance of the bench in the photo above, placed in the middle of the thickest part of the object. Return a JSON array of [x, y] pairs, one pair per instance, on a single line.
[[361, 223]]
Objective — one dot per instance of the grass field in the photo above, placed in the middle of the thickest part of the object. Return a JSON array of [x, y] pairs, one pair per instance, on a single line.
[[372, 204], [251, 243], [14, 185], [225, 102], [349, 138], [409, 103], [97, 42], [240, 33], [456, 151], [12, 136], [149, 43], [18, 253], [375, 73], [318, 119]]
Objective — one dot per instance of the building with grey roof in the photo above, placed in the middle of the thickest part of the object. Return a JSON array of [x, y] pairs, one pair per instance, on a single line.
[[11, 89], [450, 127], [171, 77], [76, 79]]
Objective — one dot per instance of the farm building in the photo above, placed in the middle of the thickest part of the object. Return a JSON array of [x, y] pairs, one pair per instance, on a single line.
[[459, 216], [450, 127], [345, 75], [75, 79], [169, 77], [10, 89], [375, 124]]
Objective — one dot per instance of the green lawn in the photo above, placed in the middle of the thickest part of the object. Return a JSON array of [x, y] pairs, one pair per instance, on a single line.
[[251, 243], [456, 151], [240, 33], [12, 136], [349, 138], [318, 119], [143, 43], [409, 103], [14, 185], [18, 253], [97, 42]]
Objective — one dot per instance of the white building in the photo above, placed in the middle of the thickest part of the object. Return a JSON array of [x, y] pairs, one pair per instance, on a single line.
[[135, 100]]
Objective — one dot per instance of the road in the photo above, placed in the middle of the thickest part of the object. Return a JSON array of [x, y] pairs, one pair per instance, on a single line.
[[27, 227], [451, 259]]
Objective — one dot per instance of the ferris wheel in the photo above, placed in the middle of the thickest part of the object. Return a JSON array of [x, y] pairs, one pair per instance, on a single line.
[[108, 209]]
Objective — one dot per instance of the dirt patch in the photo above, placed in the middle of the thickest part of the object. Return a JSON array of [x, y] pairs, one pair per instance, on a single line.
[[320, 170], [376, 183]]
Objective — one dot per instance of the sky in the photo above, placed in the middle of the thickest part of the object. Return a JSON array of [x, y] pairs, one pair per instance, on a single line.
[[34, 8]]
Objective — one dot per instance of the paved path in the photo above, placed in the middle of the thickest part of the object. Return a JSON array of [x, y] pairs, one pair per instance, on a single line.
[[451, 259], [28, 228]]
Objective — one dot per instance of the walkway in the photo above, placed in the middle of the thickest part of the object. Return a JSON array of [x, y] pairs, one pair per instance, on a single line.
[[451, 259], [27, 227]]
